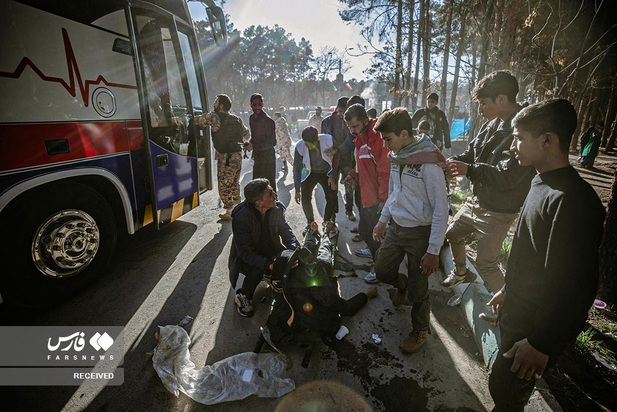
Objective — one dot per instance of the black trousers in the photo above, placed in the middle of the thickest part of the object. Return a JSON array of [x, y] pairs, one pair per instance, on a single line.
[[265, 165], [368, 219], [306, 190], [509, 393]]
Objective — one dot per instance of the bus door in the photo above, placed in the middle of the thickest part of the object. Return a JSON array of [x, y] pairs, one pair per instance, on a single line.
[[172, 92]]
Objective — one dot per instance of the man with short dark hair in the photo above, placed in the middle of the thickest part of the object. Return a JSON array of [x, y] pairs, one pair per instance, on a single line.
[[372, 170], [439, 128], [260, 232], [334, 125], [228, 136], [552, 274], [312, 166], [263, 140], [498, 182], [417, 216], [316, 119]]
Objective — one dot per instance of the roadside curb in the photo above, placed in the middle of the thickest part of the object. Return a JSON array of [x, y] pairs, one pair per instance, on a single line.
[[474, 297]]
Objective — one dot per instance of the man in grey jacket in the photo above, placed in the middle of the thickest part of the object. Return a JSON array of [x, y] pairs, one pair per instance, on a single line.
[[417, 212]]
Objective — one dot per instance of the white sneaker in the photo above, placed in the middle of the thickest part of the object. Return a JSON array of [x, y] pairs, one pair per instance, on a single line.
[[371, 278], [243, 305], [365, 253], [454, 280]]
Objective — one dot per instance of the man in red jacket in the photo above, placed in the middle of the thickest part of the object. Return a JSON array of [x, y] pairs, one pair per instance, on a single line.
[[372, 172]]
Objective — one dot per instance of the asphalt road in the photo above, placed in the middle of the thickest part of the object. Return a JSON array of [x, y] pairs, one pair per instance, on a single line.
[[159, 277]]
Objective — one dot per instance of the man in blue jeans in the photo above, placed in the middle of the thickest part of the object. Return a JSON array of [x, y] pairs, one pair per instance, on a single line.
[[417, 213]]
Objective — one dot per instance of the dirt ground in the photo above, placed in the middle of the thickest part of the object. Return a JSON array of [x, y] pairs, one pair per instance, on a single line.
[[601, 176]]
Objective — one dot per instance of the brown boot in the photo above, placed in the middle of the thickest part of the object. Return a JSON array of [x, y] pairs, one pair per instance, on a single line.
[[399, 298], [413, 342]]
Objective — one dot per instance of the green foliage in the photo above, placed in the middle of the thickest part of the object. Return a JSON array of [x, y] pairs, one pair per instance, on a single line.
[[586, 341], [602, 324], [506, 246]]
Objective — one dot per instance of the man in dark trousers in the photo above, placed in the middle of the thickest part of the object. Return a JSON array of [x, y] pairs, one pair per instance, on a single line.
[[335, 126], [439, 131], [372, 171], [552, 274], [263, 140], [260, 232], [313, 166]]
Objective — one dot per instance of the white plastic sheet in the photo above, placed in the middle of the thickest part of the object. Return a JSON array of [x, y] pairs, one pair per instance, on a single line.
[[236, 377]]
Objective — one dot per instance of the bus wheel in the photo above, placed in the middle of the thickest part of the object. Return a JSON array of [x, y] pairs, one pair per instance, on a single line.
[[62, 236]]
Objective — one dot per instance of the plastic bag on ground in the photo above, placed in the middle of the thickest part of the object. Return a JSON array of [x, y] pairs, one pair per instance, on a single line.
[[233, 378]]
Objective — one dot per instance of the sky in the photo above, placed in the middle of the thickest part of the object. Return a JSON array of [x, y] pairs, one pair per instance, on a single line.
[[316, 20]]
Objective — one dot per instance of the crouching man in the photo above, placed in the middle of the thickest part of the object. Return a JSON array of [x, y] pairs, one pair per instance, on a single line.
[[260, 232]]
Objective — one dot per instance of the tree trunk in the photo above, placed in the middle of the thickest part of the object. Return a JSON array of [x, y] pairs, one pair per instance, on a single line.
[[486, 30], [459, 54], [610, 113], [446, 55], [611, 140], [474, 62], [508, 33], [398, 60], [426, 54], [608, 251], [416, 79], [582, 111], [408, 88], [499, 8]]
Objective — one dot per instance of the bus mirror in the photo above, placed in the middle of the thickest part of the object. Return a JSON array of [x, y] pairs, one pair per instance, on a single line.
[[218, 24]]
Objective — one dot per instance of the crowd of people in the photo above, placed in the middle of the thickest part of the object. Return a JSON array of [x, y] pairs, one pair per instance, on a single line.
[[394, 170]]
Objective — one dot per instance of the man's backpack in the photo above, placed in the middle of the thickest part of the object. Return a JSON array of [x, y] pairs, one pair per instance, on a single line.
[[226, 139]]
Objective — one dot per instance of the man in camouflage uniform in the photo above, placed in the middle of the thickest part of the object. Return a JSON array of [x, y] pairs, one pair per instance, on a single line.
[[228, 136], [283, 139], [316, 119]]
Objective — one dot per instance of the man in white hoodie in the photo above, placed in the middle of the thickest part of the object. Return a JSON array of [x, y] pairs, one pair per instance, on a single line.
[[417, 213]]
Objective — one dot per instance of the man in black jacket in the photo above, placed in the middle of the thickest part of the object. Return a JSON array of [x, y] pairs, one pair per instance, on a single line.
[[498, 182], [552, 275], [260, 232], [439, 131], [263, 140]]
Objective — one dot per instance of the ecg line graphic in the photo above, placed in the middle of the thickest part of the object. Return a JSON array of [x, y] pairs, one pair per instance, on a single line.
[[74, 73]]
